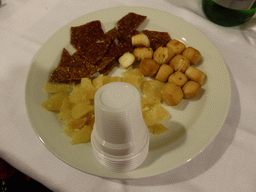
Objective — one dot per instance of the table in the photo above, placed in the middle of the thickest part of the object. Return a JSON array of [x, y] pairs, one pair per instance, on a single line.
[[227, 164]]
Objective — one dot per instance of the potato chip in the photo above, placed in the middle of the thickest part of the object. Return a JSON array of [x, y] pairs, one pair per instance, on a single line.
[[56, 87], [98, 82], [152, 88], [157, 128], [133, 81], [149, 102], [101, 80], [108, 79], [82, 135], [133, 77], [82, 94], [155, 115], [65, 110], [77, 123], [72, 126], [86, 83], [134, 73], [147, 114], [68, 130], [91, 120], [81, 110], [54, 102], [160, 113]]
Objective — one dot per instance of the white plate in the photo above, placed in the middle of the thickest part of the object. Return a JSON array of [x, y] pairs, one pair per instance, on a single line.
[[193, 123]]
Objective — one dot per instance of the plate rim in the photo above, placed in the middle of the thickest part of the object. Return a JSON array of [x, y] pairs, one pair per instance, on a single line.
[[130, 8]]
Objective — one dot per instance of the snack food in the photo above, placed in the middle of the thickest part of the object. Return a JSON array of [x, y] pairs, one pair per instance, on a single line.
[[134, 77], [179, 63], [140, 40], [192, 54], [75, 80], [178, 78], [76, 107], [155, 114], [191, 89], [130, 22], [195, 74], [157, 128], [55, 101], [164, 73], [163, 55], [151, 89], [97, 51], [149, 67], [85, 35], [141, 53], [157, 38], [171, 94], [56, 87], [126, 60], [176, 46]]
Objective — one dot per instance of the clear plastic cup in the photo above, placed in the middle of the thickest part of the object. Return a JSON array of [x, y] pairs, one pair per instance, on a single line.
[[120, 137]]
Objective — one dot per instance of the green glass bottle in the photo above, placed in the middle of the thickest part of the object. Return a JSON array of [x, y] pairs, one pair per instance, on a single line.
[[229, 12]]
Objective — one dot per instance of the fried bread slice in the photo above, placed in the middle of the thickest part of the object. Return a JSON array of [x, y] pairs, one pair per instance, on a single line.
[[157, 38], [130, 22]]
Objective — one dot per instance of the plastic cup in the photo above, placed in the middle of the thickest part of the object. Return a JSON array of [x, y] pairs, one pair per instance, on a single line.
[[120, 137]]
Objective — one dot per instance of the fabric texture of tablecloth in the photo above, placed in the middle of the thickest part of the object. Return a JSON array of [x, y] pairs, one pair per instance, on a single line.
[[227, 164]]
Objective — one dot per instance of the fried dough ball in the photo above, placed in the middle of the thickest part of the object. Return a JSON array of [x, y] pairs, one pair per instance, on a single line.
[[176, 46], [178, 78], [179, 63], [195, 74], [149, 67], [140, 40], [192, 54], [191, 89], [163, 55], [171, 94], [164, 72], [143, 53], [126, 60]]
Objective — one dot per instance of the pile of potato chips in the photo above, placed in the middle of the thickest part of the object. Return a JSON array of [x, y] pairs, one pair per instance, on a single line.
[[74, 104]]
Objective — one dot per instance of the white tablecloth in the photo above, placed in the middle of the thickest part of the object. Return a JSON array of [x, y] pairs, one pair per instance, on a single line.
[[227, 164]]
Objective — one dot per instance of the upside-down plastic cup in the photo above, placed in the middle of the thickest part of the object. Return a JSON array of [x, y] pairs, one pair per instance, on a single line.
[[120, 137]]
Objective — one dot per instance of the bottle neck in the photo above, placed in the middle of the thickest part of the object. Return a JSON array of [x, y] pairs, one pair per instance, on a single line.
[[236, 4]]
